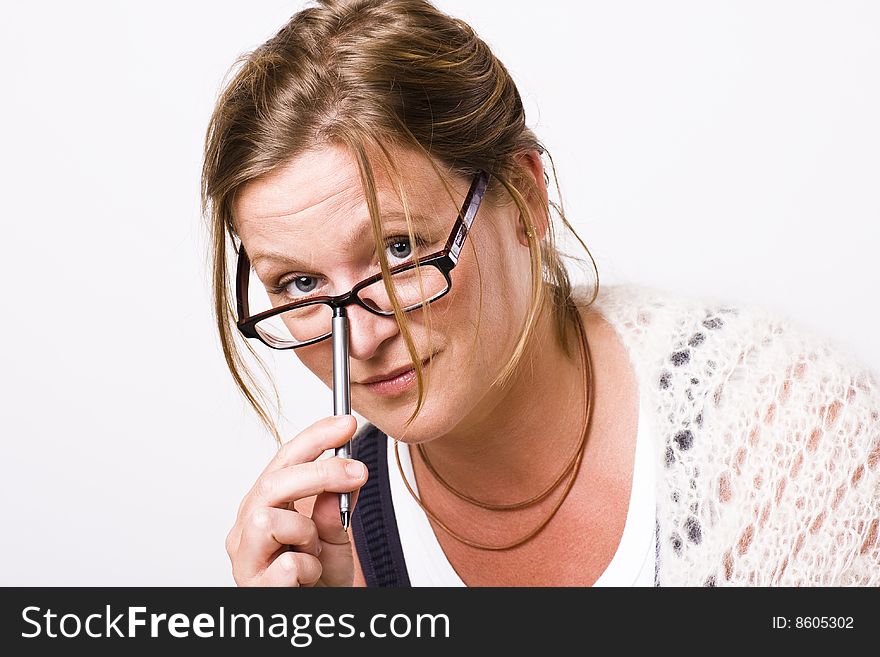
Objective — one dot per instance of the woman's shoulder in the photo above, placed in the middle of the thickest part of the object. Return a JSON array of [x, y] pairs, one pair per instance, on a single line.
[[673, 332], [640, 311], [691, 349]]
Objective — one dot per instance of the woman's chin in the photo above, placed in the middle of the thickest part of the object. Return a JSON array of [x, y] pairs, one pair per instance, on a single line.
[[390, 414], [425, 426]]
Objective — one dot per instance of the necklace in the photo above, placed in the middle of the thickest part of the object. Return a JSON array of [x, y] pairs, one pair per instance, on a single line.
[[573, 465], [512, 505]]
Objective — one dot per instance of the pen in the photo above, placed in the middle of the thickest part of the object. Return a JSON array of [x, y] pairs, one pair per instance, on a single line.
[[341, 396]]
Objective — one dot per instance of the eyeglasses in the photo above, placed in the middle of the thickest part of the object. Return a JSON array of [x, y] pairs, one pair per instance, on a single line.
[[307, 321]]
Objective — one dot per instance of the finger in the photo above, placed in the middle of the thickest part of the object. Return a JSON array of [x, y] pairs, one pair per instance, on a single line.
[[269, 529], [337, 555], [327, 520], [292, 569], [314, 440], [294, 482]]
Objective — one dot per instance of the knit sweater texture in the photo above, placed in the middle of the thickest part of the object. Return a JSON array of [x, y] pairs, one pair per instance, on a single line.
[[768, 454]]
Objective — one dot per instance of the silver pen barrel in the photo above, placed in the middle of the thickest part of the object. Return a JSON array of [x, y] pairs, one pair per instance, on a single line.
[[342, 396]]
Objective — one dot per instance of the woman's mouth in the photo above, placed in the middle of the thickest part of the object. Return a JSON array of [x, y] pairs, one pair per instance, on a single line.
[[395, 385]]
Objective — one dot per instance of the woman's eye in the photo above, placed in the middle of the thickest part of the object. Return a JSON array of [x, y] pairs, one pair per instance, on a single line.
[[400, 248], [300, 287], [295, 289], [303, 284]]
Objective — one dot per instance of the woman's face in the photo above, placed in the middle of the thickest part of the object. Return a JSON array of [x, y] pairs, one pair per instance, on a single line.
[[313, 210]]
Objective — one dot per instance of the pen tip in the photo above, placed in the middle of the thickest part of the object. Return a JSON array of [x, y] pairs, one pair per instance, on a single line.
[[345, 519]]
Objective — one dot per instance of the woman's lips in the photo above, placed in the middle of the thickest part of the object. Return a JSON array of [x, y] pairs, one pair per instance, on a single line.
[[395, 386]]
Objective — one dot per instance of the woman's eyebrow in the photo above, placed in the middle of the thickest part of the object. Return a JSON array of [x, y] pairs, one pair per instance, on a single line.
[[390, 222]]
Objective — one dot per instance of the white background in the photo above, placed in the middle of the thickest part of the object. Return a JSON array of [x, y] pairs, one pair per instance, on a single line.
[[729, 148]]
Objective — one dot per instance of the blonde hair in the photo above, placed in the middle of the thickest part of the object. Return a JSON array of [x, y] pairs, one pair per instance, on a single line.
[[370, 75]]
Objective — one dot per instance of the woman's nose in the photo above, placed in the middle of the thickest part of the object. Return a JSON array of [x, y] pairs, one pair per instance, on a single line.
[[368, 331]]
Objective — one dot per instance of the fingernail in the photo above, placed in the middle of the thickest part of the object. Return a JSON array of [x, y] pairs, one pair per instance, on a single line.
[[355, 469], [341, 420]]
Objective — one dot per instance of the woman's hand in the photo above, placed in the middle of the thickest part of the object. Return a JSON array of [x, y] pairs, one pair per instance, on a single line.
[[271, 544]]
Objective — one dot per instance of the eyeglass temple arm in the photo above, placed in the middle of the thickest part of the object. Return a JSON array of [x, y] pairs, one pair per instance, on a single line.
[[469, 211], [241, 284]]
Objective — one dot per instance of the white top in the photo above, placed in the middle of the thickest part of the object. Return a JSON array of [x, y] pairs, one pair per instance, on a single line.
[[633, 562]]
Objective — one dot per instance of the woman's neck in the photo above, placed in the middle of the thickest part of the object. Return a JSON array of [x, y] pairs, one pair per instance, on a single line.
[[520, 437]]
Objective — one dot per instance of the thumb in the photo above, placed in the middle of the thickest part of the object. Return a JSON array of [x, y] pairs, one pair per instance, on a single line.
[[336, 552]]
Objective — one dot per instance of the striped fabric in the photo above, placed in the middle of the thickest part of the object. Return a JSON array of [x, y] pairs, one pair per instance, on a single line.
[[373, 521]]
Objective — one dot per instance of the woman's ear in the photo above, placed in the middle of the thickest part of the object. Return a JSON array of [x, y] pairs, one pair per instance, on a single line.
[[536, 197]]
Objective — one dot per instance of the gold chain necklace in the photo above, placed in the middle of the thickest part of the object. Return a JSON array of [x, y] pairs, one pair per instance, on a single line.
[[574, 464]]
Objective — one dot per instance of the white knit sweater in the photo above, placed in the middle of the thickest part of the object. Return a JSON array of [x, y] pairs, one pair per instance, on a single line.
[[768, 462]]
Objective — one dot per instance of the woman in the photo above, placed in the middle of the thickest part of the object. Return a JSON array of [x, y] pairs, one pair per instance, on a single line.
[[521, 431]]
